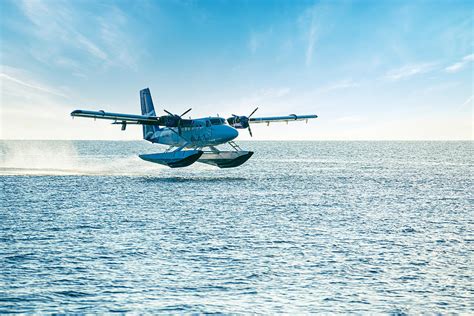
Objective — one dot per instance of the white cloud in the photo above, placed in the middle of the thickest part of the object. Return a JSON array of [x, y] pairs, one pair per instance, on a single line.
[[454, 67], [112, 33], [468, 103], [469, 58], [55, 24], [31, 109], [12, 76], [409, 71], [343, 84], [460, 64], [90, 47], [312, 21], [312, 35], [28, 85], [60, 27]]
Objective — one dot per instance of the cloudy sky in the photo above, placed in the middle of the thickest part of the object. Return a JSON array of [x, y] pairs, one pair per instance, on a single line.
[[369, 69]]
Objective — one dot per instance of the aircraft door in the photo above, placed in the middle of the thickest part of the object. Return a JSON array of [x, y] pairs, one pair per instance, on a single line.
[[208, 131]]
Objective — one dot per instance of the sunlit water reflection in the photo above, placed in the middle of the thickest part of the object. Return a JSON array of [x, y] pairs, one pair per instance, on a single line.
[[301, 227]]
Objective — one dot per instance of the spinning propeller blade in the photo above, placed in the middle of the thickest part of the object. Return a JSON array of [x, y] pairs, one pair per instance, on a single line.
[[250, 130], [185, 112], [253, 112]]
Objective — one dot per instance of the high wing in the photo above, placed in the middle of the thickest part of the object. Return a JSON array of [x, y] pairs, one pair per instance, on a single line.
[[118, 117], [289, 118], [243, 121]]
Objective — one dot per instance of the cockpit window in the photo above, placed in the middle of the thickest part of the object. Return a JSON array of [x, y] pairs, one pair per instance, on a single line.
[[217, 121]]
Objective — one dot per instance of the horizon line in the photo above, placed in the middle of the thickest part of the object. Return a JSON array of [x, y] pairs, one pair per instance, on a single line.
[[259, 140]]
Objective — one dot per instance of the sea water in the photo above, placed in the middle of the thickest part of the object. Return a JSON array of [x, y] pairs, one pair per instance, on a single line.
[[302, 227]]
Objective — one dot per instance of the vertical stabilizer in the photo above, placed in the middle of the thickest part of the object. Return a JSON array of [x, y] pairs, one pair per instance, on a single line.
[[149, 110]]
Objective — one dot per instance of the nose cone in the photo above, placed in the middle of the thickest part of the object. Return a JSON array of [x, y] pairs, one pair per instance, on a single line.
[[230, 133], [223, 134]]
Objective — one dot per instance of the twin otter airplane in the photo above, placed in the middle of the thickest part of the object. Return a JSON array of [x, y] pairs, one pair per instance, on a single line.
[[187, 138]]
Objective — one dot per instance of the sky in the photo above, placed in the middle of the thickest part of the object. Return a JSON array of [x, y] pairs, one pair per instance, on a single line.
[[371, 70]]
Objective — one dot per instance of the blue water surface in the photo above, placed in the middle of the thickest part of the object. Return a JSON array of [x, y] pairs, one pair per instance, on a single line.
[[302, 227]]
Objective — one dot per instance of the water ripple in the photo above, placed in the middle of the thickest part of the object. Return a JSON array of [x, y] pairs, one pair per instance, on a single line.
[[323, 227]]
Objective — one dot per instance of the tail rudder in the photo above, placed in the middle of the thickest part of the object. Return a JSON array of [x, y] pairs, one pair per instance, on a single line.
[[147, 103], [149, 110]]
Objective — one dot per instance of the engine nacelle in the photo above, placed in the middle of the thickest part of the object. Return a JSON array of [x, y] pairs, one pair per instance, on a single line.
[[170, 121], [174, 121], [238, 121]]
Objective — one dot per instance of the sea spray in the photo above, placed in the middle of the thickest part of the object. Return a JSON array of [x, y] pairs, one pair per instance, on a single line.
[[38, 156], [74, 158]]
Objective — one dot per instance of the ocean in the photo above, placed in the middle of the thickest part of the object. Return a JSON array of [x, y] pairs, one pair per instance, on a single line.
[[302, 227]]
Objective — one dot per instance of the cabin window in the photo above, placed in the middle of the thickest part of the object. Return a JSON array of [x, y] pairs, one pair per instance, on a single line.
[[217, 121]]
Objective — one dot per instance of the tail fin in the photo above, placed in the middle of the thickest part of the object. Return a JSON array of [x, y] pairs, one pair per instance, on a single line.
[[149, 110]]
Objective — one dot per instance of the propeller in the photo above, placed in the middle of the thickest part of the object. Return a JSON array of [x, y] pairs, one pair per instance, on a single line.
[[244, 121], [186, 112], [250, 130], [177, 119], [253, 111]]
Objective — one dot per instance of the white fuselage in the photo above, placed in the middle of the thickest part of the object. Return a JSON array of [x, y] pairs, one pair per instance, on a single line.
[[211, 131]]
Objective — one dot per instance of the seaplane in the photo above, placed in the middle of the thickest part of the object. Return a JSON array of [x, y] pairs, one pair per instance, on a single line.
[[190, 140]]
